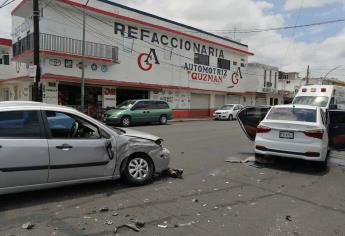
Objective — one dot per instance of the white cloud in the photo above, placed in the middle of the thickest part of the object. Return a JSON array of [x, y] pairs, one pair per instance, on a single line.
[[296, 4]]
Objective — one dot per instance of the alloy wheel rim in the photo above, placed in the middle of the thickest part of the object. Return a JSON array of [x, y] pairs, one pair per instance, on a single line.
[[125, 121], [138, 168], [163, 120]]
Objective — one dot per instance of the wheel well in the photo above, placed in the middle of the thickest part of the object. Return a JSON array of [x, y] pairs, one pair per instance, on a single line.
[[124, 161]]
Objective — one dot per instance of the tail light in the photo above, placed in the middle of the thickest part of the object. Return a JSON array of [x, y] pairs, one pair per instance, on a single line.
[[304, 90], [262, 129], [323, 90], [318, 133]]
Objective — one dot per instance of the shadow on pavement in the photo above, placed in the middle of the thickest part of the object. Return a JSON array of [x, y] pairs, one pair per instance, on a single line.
[[296, 166], [38, 197]]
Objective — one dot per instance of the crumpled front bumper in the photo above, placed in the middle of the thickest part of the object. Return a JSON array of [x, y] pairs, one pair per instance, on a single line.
[[161, 159]]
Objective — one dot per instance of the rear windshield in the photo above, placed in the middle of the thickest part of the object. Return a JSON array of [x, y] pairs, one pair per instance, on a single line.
[[292, 114], [318, 101]]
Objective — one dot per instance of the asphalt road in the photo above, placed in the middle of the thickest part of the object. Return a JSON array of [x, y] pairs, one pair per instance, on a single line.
[[214, 198]]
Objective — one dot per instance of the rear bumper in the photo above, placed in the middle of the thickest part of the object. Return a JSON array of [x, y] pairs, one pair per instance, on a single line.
[[299, 151]]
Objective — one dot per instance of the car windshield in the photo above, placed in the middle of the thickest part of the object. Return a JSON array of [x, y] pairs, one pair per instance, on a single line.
[[126, 104], [226, 107], [292, 114], [318, 101]]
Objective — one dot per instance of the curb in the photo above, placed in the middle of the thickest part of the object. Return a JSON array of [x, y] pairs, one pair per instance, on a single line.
[[190, 120]]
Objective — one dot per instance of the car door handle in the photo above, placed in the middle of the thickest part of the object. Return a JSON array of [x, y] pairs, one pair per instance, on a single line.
[[64, 147], [0, 146]]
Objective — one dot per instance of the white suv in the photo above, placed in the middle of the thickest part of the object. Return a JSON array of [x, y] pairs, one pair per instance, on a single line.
[[227, 112]]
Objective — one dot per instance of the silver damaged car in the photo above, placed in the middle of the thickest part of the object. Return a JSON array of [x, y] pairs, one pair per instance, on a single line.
[[43, 146]]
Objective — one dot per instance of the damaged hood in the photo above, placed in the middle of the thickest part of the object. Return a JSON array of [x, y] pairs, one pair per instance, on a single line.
[[139, 134]]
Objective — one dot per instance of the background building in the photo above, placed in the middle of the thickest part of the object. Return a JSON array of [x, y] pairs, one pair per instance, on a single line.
[[130, 54], [265, 82]]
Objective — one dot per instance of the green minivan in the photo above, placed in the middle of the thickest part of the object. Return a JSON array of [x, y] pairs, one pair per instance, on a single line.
[[138, 111]]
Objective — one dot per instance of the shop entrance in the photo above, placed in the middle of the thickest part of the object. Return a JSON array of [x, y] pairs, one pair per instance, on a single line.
[[130, 94], [69, 95]]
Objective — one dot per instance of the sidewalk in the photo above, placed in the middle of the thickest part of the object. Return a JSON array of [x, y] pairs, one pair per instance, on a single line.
[[191, 119]]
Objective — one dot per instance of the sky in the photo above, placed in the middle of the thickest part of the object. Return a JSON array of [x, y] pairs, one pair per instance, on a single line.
[[322, 47]]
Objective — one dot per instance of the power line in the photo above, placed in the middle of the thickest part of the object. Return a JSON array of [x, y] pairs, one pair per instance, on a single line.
[[272, 28], [6, 3]]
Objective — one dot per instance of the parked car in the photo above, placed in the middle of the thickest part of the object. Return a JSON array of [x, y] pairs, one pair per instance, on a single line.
[[227, 112], [43, 146], [138, 111], [294, 131]]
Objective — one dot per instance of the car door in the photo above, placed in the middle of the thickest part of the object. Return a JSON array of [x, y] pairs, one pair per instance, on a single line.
[[249, 119], [336, 129], [24, 156], [77, 149], [140, 112]]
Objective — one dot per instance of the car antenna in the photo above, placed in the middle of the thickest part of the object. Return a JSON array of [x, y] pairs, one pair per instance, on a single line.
[[293, 108]]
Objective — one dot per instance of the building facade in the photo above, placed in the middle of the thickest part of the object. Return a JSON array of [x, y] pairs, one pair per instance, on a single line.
[[129, 54], [266, 83]]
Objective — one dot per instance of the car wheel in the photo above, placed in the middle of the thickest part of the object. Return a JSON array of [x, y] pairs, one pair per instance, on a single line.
[[230, 117], [323, 164], [139, 170], [163, 120], [259, 158], [126, 121]]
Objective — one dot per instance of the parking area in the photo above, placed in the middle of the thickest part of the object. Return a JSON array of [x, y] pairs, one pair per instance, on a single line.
[[215, 197]]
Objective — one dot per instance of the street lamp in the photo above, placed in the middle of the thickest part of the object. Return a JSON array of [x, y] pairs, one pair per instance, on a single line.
[[82, 92], [330, 71]]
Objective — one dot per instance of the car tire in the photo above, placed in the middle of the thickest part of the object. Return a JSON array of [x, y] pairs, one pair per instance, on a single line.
[[259, 158], [323, 164], [230, 117], [125, 121], [138, 170], [163, 120]]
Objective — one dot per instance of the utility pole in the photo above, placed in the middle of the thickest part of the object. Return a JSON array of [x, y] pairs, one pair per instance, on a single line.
[[307, 80], [36, 38], [82, 92]]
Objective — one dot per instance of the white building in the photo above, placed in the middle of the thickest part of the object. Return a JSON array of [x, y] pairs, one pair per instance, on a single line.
[[289, 84], [130, 54], [10, 89], [265, 79]]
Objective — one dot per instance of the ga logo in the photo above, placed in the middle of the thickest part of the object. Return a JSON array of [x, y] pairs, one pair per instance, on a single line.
[[145, 60], [235, 77]]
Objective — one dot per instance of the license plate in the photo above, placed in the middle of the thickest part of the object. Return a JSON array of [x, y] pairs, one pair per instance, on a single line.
[[286, 134]]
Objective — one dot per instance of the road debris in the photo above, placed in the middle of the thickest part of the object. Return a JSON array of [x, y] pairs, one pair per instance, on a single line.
[[104, 209], [162, 226], [108, 222], [195, 200], [288, 218], [114, 214], [28, 225], [135, 225], [174, 173], [233, 160]]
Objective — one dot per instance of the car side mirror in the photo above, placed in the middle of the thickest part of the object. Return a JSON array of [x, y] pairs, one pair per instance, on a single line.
[[333, 107]]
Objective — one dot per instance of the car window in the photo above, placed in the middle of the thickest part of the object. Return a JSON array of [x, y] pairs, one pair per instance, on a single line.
[[319, 101], [226, 107], [292, 114], [161, 105], [63, 126], [20, 124], [142, 106]]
